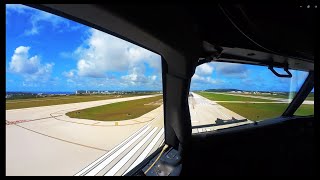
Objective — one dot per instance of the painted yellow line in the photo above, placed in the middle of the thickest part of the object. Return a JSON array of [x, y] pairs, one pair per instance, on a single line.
[[105, 150]]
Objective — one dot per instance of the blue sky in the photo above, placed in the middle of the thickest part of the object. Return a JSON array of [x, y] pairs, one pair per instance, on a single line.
[[45, 52]]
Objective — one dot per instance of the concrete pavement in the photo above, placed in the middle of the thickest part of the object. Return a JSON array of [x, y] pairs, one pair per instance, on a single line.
[[40, 141], [44, 141], [205, 112]]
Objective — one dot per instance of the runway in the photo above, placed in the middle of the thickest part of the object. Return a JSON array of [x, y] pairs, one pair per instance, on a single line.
[[279, 100], [206, 112], [44, 141]]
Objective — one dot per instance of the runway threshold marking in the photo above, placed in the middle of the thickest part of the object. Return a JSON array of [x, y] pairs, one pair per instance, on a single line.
[[111, 151], [102, 165], [144, 154], [129, 155]]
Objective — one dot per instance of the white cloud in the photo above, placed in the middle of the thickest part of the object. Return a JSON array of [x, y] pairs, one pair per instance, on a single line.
[[202, 79], [136, 77], [205, 82], [231, 69], [204, 69], [203, 75], [69, 74], [107, 62], [131, 81], [19, 8], [103, 53], [29, 67], [204, 72], [41, 16], [153, 78], [37, 17]]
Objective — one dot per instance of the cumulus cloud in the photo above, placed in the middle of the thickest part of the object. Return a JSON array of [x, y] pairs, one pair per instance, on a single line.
[[37, 17], [231, 69], [107, 62], [29, 67], [204, 69], [205, 82], [69, 74], [103, 53], [137, 77], [127, 82], [204, 79], [19, 8], [41, 16]]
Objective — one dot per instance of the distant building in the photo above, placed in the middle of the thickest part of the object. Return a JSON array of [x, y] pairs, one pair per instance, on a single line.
[[265, 93], [81, 92]]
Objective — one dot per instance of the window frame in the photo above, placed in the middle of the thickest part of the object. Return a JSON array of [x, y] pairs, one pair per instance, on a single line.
[[302, 94]]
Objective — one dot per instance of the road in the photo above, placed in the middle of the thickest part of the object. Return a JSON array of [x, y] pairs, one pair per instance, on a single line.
[[44, 141]]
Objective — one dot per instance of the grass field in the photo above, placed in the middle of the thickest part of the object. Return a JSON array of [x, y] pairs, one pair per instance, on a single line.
[[257, 112], [47, 101], [305, 110], [119, 111], [224, 97], [310, 96]]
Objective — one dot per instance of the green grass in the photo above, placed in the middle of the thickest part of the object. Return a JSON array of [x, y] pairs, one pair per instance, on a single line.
[[257, 112], [224, 97], [305, 110], [310, 96], [119, 111], [47, 101]]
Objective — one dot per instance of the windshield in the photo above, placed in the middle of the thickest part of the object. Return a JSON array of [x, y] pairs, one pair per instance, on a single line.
[[228, 94], [78, 101]]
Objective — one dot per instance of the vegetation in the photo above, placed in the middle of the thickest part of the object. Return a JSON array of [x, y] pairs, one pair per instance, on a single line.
[[119, 111], [305, 110], [224, 97], [255, 111], [285, 96], [47, 101]]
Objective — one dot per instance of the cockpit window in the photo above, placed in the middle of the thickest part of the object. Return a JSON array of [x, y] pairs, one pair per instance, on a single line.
[[78, 101], [228, 94], [304, 109]]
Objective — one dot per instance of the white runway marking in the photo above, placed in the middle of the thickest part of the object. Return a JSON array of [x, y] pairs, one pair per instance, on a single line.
[[97, 169], [126, 158], [102, 157], [144, 154]]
